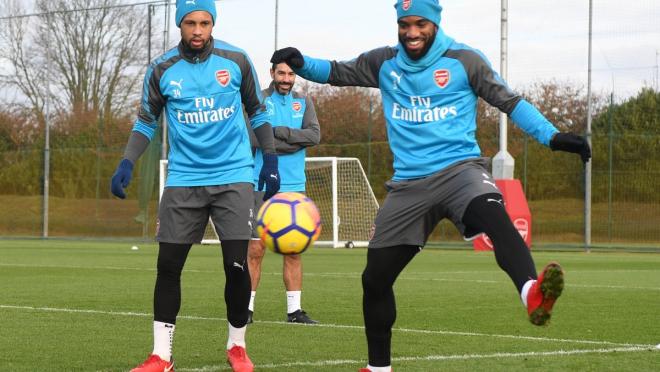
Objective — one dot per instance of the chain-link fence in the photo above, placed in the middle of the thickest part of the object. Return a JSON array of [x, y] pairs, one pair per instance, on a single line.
[[85, 90]]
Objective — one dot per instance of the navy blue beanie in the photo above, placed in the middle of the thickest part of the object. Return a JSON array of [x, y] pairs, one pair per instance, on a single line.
[[429, 9], [183, 7]]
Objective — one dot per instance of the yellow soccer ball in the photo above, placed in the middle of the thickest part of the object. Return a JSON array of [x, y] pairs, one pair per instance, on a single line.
[[288, 223]]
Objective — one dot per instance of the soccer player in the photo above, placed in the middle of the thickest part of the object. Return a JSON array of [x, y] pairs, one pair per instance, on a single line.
[[429, 85], [295, 127], [202, 85]]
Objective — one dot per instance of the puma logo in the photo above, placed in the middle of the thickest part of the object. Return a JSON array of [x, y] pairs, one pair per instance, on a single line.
[[396, 76], [490, 183], [236, 264], [499, 201], [177, 83], [273, 176], [397, 79], [190, 2]]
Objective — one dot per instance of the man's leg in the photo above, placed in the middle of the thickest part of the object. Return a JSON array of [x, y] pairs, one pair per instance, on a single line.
[[237, 281], [256, 251], [486, 213], [167, 302], [292, 274], [237, 297], [383, 267]]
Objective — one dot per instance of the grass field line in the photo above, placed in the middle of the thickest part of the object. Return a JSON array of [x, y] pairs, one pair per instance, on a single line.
[[336, 362], [332, 326], [329, 274]]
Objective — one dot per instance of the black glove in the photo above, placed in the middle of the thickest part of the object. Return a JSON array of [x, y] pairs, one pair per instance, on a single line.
[[291, 56], [269, 176], [121, 178], [570, 142]]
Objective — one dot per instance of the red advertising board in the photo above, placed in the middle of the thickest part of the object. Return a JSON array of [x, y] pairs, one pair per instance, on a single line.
[[516, 206]]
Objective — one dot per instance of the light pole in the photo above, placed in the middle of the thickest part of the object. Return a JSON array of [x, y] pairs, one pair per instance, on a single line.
[[277, 2], [503, 162], [587, 171]]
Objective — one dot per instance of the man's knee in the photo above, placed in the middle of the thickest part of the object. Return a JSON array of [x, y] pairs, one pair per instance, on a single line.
[[256, 250], [292, 260]]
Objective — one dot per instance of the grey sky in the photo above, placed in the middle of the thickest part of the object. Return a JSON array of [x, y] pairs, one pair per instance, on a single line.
[[547, 39]]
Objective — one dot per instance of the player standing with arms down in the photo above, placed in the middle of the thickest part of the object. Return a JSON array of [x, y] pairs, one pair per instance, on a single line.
[[430, 85], [202, 84], [295, 127]]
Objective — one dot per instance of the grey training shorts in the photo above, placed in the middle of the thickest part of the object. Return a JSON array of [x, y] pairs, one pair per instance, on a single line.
[[413, 208], [185, 211]]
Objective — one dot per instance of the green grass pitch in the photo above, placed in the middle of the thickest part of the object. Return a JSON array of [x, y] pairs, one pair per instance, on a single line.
[[86, 306]]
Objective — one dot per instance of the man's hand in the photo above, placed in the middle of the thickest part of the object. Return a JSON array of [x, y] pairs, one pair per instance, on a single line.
[[269, 176], [121, 178], [570, 142], [291, 56]]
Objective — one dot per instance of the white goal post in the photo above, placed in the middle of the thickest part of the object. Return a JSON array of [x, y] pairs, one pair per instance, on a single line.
[[341, 191]]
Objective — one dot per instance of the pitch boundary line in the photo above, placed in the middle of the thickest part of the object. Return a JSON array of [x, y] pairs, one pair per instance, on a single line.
[[325, 363], [333, 275], [332, 326]]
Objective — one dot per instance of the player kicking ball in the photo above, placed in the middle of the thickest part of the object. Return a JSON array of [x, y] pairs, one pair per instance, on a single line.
[[430, 85]]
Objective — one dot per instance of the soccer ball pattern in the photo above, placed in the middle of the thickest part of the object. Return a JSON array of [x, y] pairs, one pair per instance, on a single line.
[[288, 223]]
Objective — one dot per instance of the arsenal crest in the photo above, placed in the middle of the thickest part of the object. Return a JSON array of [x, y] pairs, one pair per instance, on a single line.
[[223, 77], [297, 106], [441, 77], [406, 4]]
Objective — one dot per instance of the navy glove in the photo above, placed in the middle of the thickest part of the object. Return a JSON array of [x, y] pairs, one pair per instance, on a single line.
[[570, 142], [291, 56], [269, 176], [121, 178]]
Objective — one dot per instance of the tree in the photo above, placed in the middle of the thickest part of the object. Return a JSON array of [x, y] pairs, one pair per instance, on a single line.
[[84, 56]]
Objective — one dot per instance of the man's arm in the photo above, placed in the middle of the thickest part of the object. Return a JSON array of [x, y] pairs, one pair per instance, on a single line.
[[289, 140], [488, 85], [143, 131], [362, 71]]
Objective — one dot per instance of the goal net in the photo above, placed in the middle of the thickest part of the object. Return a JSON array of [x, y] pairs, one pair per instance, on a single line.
[[341, 191]]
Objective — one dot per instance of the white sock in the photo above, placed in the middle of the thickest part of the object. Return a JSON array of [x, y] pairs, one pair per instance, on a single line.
[[253, 294], [163, 338], [293, 301], [236, 336], [525, 291], [379, 369]]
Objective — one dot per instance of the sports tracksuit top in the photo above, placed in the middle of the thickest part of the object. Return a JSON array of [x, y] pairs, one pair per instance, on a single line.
[[430, 111], [203, 94], [295, 127]]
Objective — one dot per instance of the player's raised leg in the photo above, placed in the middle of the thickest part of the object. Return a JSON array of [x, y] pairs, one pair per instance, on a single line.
[[486, 213]]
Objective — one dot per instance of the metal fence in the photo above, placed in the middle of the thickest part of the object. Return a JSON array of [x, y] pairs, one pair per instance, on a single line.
[[55, 182]]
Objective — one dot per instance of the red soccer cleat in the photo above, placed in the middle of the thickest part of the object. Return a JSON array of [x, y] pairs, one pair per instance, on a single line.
[[155, 364], [239, 360], [543, 294]]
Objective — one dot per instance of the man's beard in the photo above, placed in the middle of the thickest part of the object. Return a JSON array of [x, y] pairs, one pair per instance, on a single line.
[[427, 45], [282, 91], [189, 46]]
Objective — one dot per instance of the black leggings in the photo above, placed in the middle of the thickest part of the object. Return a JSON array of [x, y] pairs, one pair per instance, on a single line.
[[385, 264], [167, 292], [383, 267], [483, 214]]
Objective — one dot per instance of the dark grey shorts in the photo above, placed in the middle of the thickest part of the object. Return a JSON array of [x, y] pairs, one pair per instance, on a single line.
[[258, 202], [185, 211], [413, 208]]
